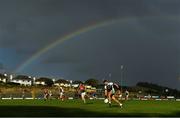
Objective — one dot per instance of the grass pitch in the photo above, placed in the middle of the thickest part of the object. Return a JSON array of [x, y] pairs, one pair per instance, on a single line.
[[72, 108]]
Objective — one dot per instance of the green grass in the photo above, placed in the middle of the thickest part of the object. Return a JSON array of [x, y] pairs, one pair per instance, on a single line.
[[92, 108]]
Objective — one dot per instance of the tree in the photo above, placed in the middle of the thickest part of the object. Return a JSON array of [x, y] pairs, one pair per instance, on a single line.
[[62, 81], [77, 82], [93, 82]]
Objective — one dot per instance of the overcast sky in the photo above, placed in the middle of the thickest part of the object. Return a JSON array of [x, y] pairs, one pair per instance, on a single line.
[[145, 38]]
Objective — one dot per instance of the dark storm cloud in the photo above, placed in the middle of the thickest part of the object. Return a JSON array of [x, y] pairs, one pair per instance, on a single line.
[[1, 66], [148, 54], [60, 60], [148, 45], [29, 22]]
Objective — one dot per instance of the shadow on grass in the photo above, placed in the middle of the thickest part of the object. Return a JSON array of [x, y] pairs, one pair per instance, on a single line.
[[48, 111]]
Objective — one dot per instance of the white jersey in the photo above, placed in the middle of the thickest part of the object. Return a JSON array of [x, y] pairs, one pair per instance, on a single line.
[[61, 90], [109, 84], [127, 93]]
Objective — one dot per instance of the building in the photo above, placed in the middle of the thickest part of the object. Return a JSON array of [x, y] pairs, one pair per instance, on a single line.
[[38, 82], [62, 82], [3, 78], [75, 85], [44, 81], [23, 80]]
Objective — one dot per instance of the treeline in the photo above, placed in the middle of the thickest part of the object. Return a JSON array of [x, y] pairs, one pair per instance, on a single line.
[[156, 89], [144, 88]]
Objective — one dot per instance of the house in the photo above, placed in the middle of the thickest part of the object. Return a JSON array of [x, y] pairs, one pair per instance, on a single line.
[[3, 78], [75, 85], [22, 80], [62, 82], [44, 81], [88, 86]]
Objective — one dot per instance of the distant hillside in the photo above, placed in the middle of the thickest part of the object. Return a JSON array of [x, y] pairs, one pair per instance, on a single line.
[[155, 89]]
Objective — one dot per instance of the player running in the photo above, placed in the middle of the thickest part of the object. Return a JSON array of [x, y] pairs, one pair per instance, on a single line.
[[82, 92], [46, 94], [110, 92], [127, 94], [61, 93]]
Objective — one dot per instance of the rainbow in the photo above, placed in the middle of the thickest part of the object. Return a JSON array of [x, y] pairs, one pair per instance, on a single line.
[[61, 40], [70, 36]]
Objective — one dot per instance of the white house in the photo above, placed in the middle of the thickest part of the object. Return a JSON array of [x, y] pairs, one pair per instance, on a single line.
[[23, 80], [3, 78], [62, 82], [40, 83], [75, 85], [43, 81], [88, 86]]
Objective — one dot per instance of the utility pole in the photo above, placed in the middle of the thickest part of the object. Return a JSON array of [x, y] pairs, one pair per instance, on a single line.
[[121, 76], [109, 76]]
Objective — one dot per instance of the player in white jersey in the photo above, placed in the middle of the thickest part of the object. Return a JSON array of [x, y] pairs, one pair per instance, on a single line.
[[127, 94], [110, 92], [61, 93]]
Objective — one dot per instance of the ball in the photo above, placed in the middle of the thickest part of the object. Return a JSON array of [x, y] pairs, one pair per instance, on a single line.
[[106, 101]]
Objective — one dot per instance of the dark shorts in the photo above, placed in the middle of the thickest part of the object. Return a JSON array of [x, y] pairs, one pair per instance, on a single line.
[[109, 88], [112, 95], [82, 91]]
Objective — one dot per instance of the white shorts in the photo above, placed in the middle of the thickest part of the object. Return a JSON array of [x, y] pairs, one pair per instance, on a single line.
[[83, 93], [61, 94]]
